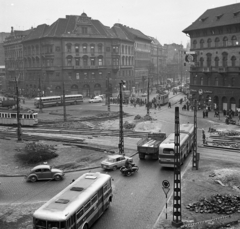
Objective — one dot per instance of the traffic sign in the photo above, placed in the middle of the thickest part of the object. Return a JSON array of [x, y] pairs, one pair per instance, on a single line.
[[191, 52], [166, 190], [165, 184]]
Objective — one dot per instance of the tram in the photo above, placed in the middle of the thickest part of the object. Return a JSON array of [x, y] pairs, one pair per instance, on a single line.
[[27, 118]]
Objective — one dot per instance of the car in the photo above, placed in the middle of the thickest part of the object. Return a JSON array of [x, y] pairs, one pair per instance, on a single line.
[[44, 172], [113, 162], [144, 94], [96, 99]]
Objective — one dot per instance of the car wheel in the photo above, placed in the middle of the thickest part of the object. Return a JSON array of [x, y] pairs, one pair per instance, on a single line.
[[33, 179], [114, 168], [57, 178]]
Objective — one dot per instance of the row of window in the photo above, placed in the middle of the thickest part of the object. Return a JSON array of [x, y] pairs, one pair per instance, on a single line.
[[217, 60], [216, 81], [216, 42]]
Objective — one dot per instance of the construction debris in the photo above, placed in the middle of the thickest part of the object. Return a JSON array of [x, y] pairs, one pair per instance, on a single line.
[[129, 125], [219, 203]]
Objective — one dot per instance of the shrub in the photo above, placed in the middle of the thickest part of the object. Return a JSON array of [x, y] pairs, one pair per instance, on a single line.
[[37, 152]]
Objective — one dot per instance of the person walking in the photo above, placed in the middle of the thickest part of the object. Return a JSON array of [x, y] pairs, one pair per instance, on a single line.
[[169, 105]]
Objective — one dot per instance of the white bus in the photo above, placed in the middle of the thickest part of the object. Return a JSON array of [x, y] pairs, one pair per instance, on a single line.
[[57, 100], [9, 117], [166, 148], [77, 206]]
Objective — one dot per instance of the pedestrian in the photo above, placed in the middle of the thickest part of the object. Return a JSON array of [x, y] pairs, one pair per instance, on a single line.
[[238, 117], [169, 105], [204, 112], [203, 137], [72, 181]]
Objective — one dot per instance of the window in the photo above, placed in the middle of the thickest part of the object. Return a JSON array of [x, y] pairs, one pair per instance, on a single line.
[[234, 41], [123, 60], [201, 43], [92, 48], [85, 75], [84, 48], [92, 61], [85, 61], [209, 42], [233, 82], [216, 62], [87, 206], [194, 44], [233, 60], [93, 75], [100, 61], [209, 60], [69, 61], [100, 74], [84, 30], [195, 80], [69, 47], [217, 42], [77, 48], [122, 49], [208, 81], [201, 62], [216, 81], [224, 60], [225, 40], [100, 47], [77, 61], [79, 213], [201, 81]]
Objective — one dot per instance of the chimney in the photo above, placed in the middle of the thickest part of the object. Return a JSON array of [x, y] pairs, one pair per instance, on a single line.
[[11, 30]]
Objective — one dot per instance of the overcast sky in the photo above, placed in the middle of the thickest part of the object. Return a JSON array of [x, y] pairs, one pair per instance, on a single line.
[[162, 19]]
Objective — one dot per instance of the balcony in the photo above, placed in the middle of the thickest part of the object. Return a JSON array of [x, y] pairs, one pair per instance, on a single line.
[[219, 69], [90, 67], [233, 69]]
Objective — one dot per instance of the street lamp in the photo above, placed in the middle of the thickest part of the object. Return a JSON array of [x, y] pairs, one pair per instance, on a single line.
[[40, 94], [19, 131], [108, 92], [121, 140]]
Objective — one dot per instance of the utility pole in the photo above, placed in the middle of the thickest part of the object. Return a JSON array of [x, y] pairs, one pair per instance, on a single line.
[[40, 94], [195, 159], [63, 99], [121, 139], [19, 131], [177, 212], [148, 96], [108, 92]]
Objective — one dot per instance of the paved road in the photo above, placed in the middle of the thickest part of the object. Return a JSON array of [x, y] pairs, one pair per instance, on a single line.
[[137, 200]]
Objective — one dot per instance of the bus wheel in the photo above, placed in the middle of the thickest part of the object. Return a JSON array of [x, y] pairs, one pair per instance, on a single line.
[[85, 226]]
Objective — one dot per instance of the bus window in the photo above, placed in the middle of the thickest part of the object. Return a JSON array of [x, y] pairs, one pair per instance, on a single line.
[[63, 225], [52, 224], [30, 116], [87, 206], [40, 223], [79, 213], [20, 115], [94, 199], [168, 151]]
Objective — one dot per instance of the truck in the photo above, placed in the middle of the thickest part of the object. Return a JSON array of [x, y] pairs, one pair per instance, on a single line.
[[149, 145]]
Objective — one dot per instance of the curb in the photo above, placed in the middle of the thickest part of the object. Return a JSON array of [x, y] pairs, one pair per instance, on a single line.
[[66, 171]]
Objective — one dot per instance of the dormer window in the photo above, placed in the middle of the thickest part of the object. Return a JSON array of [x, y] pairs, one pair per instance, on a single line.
[[219, 16], [84, 30], [203, 19], [235, 14]]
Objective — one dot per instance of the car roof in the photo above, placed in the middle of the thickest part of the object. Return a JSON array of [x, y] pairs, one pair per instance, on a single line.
[[41, 167]]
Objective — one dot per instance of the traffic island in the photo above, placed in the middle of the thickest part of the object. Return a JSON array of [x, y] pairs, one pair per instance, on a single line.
[[210, 197]]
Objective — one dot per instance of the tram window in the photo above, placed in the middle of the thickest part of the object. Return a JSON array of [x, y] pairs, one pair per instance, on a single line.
[[21, 116], [14, 115], [87, 206], [63, 224], [30, 116]]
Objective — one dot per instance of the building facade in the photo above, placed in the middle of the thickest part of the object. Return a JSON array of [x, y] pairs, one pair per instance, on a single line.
[[214, 79]]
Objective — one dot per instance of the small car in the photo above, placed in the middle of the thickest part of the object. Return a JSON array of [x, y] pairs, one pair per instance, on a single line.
[[113, 162], [96, 99], [44, 172]]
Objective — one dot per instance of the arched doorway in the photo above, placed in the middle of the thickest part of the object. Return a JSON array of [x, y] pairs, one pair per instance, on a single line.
[[97, 89], [74, 89], [216, 102], [224, 103], [233, 104], [86, 90]]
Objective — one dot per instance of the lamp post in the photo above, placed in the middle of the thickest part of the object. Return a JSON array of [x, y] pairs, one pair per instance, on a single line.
[[108, 92], [40, 94], [63, 97], [148, 97], [121, 139], [19, 131]]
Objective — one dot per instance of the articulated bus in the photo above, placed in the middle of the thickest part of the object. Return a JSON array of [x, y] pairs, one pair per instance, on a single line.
[[79, 205], [166, 148], [57, 100]]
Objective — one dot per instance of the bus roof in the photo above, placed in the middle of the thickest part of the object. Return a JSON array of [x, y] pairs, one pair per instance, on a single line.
[[186, 128], [169, 141], [69, 199]]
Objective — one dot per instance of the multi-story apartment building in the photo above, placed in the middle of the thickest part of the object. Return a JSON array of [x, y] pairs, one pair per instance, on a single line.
[[158, 60], [14, 60], [142, 57], [77, 54], [215, 39]]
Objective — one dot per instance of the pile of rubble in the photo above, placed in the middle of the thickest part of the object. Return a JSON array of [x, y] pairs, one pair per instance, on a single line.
[[129, 125], [219, 203]]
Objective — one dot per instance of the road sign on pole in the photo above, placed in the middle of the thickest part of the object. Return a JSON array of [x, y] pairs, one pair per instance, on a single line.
[[166, 189]]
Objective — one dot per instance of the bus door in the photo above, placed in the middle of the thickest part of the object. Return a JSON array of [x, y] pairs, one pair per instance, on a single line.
[[100, 202]]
